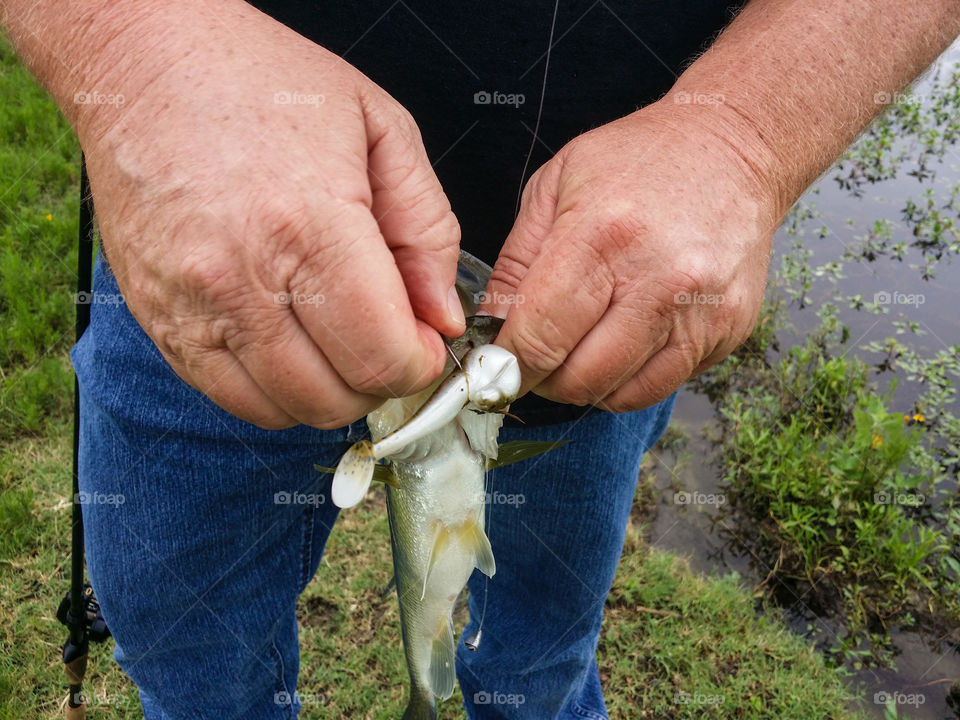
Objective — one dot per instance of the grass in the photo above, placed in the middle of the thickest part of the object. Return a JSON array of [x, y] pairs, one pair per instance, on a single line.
[[678, 645], [39, 169], [675, 645]]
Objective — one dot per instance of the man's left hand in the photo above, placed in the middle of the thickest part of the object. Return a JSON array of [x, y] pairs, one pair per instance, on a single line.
[[639, 256]]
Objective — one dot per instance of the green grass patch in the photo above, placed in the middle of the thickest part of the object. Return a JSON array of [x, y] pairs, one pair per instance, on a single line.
[[677, 645], [39, 175]]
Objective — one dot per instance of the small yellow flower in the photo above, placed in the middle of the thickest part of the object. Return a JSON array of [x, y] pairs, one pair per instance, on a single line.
[[918, 417], [877, 441], [906, 418], [49, 217]]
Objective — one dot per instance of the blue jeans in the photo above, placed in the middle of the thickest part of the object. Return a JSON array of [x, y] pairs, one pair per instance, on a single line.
[[197, 559]]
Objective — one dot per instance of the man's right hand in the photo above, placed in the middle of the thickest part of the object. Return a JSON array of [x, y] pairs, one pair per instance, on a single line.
[[270, 215]]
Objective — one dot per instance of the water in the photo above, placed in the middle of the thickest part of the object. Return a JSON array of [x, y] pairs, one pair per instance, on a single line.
[[922, 670]]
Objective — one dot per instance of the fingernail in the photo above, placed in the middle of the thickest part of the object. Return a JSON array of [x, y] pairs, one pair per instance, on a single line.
[[454, 307]]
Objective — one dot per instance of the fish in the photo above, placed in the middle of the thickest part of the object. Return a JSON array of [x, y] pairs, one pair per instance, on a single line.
[[437, 446], [438, 443]]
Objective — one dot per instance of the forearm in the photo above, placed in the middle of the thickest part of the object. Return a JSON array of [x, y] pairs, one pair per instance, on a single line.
[[797, 80], [114, 49]]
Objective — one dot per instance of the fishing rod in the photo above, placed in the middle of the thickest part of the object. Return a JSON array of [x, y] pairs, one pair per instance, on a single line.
[[79, 610]]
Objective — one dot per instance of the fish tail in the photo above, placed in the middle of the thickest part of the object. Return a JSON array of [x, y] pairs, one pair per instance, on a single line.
[[421, 705]]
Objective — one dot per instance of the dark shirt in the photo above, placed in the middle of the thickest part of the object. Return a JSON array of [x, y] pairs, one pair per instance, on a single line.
[[608, 59]]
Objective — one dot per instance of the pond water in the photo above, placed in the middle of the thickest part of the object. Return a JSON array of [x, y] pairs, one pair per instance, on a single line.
[[697, 532]]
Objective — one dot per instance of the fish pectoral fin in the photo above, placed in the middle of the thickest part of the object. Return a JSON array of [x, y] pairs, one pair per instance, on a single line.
[[441, 540], [384, 474], [476, 539], [381, 473], [442, 660], [517, 450], [353, 475]]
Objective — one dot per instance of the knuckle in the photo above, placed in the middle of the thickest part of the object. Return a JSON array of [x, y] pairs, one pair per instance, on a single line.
[[308, 239], [640, 393], [273, 420], [445, 231], [619, 227], [623, 404], [696, 273], [331, 419], [535, 351], [418, 195], [398, 116], [509, 270], [187, 344], [397, 127], [539, 187], [281, 218], [573, 392], [384, 374], [208, 275]]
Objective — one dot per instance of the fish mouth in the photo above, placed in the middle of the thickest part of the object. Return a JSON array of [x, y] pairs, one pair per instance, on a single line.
[[494, 378]]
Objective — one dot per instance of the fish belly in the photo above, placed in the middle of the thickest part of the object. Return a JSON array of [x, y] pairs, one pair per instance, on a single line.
[[432, 505]]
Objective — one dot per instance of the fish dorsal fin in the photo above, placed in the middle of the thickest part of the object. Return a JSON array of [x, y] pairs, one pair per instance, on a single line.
[[475, 538], [441, 539], [353, 475], [443, 660], [517, 450]]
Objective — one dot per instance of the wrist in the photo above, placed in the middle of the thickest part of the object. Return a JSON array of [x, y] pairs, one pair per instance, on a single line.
[[137, 44], [728, 145]]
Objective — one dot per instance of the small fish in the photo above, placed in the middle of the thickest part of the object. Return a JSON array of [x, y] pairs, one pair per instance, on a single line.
[[438, 453], [438, 445]]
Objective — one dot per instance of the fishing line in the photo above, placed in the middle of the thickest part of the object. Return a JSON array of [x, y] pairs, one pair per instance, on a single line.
[[543, 95], [473, 642]]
